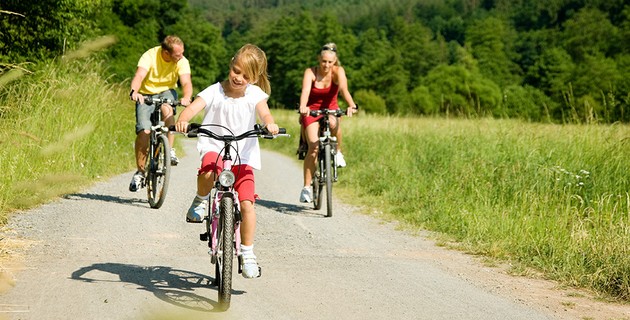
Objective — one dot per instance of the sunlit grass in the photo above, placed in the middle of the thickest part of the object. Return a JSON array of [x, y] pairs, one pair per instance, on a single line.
[[61, 127], [550, 197]]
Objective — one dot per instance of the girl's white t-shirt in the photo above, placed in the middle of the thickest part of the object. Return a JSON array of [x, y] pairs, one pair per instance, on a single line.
[[236, 114]]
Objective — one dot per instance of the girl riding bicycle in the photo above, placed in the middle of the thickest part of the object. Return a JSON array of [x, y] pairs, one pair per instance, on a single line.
[[320, 87], [233, 103]]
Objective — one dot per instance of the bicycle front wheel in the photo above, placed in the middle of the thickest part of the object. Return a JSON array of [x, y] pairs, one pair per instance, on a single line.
[[226, 251], [316, 183], [159, 171], [328, 176]]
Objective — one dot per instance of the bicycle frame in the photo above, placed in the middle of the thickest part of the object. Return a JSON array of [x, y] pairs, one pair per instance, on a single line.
[[212, 219], [223, 228], [326, 171], [158, 162]]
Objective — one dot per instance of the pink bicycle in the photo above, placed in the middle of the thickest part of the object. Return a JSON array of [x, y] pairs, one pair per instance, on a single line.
[[224, 217]]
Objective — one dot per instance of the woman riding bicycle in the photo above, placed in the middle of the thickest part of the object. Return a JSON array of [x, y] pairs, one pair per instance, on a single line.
[[320, 87], [234, 104]]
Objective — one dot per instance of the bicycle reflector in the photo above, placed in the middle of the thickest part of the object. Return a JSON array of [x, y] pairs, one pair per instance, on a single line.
[[226, 178]]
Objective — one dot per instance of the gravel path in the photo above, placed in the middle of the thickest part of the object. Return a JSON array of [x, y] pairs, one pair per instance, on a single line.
[[104, 254]]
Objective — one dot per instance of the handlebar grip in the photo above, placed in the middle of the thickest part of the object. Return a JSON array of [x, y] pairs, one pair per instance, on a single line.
[[282, 131], [192, 130]]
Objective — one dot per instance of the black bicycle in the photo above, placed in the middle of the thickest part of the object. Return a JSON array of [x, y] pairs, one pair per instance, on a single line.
[[223, 218], [158, 164], [326, 170]]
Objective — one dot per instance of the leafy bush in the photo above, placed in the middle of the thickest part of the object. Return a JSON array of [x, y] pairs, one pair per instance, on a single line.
[[370, 102]]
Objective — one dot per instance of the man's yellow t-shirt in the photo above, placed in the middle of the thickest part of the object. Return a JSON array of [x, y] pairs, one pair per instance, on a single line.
[[161, 75]]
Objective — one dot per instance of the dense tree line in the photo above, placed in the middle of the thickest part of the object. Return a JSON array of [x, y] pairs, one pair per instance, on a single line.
[[541, 60]]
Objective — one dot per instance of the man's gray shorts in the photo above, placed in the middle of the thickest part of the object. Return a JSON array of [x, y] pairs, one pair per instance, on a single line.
[[144, 111]]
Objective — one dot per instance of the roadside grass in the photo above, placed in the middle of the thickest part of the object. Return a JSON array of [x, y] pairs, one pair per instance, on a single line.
[[552, 198], [61, 128]]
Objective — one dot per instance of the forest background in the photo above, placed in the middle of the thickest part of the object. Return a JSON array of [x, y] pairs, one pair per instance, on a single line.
[[560, 61]]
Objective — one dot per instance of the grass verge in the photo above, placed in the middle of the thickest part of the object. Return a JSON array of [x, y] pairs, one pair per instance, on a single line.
[[553, 198]]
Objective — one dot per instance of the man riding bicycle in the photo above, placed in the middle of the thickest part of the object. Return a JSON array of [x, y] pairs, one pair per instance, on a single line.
[[158, 70]]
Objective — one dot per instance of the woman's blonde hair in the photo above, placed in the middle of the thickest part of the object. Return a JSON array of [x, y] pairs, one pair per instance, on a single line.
[[332, 47], [254, 63]]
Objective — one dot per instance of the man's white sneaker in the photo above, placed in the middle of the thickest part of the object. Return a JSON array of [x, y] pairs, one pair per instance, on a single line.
[[306, 195], [174, 159], [136, 181], [250, 266], [341, 162]]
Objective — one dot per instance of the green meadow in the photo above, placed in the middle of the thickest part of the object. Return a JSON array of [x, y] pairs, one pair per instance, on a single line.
[[552, 199], [546, 198]]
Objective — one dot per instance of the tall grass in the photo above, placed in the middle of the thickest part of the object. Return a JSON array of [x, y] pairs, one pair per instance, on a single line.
[[61, 128], [549, 197]]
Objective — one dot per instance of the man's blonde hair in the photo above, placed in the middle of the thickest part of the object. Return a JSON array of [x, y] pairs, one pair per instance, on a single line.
[[169, 41]]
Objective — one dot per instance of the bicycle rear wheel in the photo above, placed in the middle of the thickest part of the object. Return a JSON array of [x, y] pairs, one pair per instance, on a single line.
[[159, 171], [328, 177], [226, 251]]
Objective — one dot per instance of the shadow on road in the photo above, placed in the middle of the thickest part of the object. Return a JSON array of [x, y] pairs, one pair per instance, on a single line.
[[107, 198], [289, 209], [170, 285]]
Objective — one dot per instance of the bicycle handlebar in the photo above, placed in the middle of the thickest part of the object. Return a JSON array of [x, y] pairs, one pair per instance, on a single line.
[[149, 100], [194, 129], [335, 112]]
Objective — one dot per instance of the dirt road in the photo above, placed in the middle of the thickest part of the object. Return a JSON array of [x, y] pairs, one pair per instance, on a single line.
[[104, 254]]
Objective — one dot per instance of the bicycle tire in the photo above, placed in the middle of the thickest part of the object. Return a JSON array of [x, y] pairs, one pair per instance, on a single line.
[[316, 184], [159, 171], [226, 247], [328, 178]]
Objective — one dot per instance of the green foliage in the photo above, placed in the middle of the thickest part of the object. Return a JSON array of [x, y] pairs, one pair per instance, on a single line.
[[589, 33], [44, 29], [291, 47], [526, 103], [204, 48], [370, 102], [552, 72], [459, 91], [419, 53], [492, 49], [380, 69], [571, 51]]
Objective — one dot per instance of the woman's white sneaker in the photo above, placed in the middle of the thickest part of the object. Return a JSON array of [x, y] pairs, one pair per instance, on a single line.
[[341, 162], [306, 195]]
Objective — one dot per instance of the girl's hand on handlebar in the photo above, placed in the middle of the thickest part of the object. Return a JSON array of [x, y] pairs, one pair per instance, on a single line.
[[181, 126], [272, 128]]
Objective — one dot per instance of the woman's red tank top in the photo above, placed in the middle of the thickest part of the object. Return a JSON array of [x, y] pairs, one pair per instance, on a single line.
[[325, 98]]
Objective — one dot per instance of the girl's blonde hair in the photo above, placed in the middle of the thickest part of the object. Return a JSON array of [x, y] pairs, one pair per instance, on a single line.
[[332, 47], [254, 63]]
